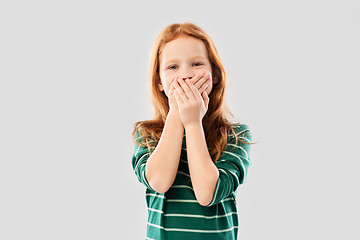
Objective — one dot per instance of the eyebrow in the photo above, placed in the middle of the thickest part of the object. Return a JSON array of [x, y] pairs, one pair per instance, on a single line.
[[174, 60]]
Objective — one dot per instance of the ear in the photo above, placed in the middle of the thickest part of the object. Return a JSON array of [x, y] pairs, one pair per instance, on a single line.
[[216, 76], [161, 87], [215, 80]]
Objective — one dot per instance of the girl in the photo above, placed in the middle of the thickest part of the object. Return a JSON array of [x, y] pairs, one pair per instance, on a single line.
[[190, 157]]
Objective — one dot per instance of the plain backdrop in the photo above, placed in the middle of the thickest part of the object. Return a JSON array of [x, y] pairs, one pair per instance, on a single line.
[[74, 79]]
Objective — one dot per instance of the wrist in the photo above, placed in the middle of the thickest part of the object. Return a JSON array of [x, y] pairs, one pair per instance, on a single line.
[[174, 115], [193, 125], [174, 112]]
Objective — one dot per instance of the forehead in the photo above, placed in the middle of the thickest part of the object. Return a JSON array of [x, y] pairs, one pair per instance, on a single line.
[[183, 48]]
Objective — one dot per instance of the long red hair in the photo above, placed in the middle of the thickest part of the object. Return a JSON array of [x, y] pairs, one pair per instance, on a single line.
[[215, 122]]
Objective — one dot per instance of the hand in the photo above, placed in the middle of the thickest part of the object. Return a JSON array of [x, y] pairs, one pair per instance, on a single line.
[[198, 80], [192, 104]]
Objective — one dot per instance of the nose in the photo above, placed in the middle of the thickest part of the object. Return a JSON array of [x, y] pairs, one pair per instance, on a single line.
[[187, 74]]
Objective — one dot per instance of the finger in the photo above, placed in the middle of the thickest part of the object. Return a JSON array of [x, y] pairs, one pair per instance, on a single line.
[[205, 86], [178, 98], [187, 90], [195, 91], [171, 90], [206, 99], [172, 86], [197, 77], [202, 80], [195, 80], [180, 91]]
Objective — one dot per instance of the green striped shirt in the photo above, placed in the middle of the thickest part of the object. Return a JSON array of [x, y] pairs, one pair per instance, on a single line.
[[177, 214]]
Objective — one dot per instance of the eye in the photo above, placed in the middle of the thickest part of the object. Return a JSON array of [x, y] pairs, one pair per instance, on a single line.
[[198, 64], [172, 67]]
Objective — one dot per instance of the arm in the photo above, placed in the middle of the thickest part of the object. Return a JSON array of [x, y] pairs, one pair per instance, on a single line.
[[193, 104], [233, 164], [158, 171], [211, 182], [204, 174], [162, 165]]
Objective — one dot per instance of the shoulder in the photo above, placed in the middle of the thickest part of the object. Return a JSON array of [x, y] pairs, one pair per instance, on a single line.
[[136, 131], [241, 130], [140, 136], [240, 126]]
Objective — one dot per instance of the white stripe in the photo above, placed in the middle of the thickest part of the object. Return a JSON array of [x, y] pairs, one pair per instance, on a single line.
[[181, 186], [229, 171], [239, 147], [155, 210], [143, 175], [235, 155], [137, 150], [194, 201], [216, 191], [220, 169], [181, 200], [184, 173], [227, 199], [233, 174], [237, 134], [155, 195], [140, 160], [191, 230], [198, 216], [245, 139], [138, 166], [149, 238], [181, 160]]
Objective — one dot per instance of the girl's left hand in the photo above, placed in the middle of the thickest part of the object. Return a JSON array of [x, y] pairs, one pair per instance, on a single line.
[[192, 105]]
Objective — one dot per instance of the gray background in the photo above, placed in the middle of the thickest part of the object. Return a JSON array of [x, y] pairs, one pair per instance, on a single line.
[[74, 79]]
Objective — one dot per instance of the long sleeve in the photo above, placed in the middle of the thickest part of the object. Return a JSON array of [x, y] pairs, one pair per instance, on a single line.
[[139, 159], [233, 164]]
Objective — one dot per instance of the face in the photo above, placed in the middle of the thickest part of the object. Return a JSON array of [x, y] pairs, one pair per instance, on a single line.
[[183, 57]]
